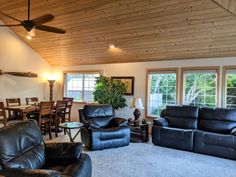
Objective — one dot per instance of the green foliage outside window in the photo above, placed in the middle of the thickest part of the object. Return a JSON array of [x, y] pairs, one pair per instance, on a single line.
[[231, 91], [162, 92], [200, 89]]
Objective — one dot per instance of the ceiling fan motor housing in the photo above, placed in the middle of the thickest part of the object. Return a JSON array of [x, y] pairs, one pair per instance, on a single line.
[[28, 25]]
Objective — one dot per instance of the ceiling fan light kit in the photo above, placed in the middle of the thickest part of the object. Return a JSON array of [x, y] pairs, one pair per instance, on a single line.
[[37, 23]]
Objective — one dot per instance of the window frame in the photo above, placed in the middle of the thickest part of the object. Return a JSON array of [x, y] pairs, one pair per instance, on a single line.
[[201, 68], [223, 93], [78, 72], [160, 71]]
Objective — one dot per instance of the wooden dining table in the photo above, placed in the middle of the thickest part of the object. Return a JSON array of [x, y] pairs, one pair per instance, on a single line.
[[23, 109]]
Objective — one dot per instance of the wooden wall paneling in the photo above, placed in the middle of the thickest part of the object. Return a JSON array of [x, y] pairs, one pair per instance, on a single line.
[[142, 30]]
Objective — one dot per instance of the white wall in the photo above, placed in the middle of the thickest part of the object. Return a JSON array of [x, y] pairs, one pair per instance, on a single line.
[[17, 56], [138, 70]]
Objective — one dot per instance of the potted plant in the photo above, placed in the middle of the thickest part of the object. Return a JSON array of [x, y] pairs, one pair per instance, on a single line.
[[108, 91]]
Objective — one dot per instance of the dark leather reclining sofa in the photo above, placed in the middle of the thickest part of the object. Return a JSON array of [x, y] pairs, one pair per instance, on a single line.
[[202, 130], [24, 154]]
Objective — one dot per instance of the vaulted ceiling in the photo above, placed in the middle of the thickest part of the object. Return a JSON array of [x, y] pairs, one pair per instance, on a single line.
[[141, 30]]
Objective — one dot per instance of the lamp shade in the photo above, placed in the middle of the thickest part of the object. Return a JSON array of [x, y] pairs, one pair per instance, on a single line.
[[137, 103]]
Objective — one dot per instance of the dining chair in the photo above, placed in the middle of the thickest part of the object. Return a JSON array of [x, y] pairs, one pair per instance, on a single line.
[[3, 118], [45, 117], [13, 114], [58, 115], [68, 108], [31, 100]]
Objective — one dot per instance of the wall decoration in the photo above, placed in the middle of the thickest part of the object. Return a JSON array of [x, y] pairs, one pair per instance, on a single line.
[[129, 83], [20, 74]]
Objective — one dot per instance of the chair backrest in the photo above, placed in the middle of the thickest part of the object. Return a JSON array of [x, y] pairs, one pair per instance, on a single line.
[[13, 102], [32, 100], [100, 114], [61, 108], [22, 146], [45, 108], [218, 120], [3, 117], [182, 116], [70, 100]]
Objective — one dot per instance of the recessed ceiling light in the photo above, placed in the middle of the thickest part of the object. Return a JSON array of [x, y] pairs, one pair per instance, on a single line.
[[112, 46], [29, 37]]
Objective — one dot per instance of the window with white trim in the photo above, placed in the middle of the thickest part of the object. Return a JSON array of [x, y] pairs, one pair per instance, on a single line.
[[80, 86], [162, 90], [230, 91], [200, 87]]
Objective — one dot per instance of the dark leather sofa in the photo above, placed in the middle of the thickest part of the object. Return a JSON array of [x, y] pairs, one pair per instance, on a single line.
[[202, 130], [102, 130], [24, 154]]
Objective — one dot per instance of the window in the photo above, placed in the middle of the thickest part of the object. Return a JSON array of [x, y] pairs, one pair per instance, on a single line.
[[162, 90], [230, 87], [200, 86], [80, 86]]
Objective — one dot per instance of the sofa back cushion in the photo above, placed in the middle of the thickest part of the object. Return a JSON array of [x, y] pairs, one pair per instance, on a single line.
[[182, 116], [98, 114], [218, 120], [22, 146]]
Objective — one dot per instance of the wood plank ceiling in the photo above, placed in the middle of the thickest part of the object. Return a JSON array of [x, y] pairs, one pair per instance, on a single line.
[[142, 30]]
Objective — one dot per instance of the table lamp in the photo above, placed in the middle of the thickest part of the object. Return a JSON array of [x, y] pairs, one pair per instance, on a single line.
[[137, 105]]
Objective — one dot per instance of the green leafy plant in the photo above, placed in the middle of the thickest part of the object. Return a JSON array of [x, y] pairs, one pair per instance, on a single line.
[[108, 91]]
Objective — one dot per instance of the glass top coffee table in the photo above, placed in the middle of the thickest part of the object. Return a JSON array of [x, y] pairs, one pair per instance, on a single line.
[[68, 126]]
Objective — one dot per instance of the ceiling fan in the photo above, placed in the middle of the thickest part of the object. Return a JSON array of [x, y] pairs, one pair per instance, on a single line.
[[36, 23]]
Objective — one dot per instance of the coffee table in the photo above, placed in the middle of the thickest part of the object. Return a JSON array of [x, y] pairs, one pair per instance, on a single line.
[[68, 126]]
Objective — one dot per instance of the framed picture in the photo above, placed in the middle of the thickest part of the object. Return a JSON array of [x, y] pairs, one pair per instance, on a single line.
[[129, 82]]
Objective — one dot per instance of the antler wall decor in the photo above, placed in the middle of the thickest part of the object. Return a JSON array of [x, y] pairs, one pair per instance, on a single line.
[[20, 74]]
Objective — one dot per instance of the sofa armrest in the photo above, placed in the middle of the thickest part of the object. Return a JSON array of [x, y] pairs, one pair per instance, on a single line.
[[160, 122], [118, 122], [29, 173], [90, 123], [233, 131], [62, 153], [79, 168]]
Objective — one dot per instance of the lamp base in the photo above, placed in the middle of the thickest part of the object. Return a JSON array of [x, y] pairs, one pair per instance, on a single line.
[[137, 114]]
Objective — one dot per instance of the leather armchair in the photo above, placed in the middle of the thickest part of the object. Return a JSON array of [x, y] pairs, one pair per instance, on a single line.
[[176, 127], [102, 130], [23, 153]]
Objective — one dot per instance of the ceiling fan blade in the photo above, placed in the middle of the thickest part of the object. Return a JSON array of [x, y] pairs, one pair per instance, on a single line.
[[43, 19], [10, 25], [13, 18], [50, 29]]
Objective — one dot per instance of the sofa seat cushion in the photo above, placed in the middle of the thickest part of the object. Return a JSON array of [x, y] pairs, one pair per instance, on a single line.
[[173, 137], [182, 116], [97, 139], [218, 120], [109, 133], [215, 144]]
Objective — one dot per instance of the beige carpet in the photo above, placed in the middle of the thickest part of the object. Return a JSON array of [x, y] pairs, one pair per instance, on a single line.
[[147, 160]]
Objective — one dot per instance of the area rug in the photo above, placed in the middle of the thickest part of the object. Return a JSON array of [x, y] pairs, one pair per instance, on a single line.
[[147, 160]]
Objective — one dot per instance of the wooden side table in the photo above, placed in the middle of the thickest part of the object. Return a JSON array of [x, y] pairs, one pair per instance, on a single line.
[[139, 133]]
